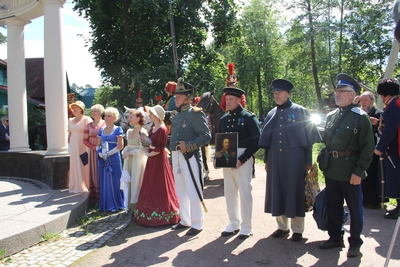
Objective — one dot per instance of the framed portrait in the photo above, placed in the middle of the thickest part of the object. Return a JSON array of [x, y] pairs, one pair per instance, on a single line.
[[226, 148]]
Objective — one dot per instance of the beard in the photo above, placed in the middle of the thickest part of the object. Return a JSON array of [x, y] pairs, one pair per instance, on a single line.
[[367, 109]]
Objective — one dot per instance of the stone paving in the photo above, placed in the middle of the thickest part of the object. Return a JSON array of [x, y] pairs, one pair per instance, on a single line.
[[74, 243]]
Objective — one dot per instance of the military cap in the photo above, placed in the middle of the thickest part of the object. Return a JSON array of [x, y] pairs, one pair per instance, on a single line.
[[345, 80], [184, 88], [233, 91], [281, 85]]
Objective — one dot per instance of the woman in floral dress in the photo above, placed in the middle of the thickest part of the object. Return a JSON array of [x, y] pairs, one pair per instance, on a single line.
[[157, 203]]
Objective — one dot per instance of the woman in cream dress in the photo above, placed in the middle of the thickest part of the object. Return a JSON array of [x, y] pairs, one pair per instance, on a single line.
[[78, 173], [134, 159]]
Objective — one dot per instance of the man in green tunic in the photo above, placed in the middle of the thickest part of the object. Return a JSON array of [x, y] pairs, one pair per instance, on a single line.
[[349, 139]]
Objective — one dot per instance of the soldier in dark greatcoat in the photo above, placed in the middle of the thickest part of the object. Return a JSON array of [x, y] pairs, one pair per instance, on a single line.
[[287, 137], [350, 141], [388, 144]]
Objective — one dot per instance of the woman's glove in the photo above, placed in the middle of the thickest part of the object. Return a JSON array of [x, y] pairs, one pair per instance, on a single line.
[[103, 156], [112, 151]]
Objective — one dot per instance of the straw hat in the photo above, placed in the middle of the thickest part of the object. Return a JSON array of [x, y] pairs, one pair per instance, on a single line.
[[79, 104], [157, 111]]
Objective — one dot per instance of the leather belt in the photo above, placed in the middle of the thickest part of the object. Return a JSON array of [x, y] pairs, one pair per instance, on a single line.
[[339, 154]]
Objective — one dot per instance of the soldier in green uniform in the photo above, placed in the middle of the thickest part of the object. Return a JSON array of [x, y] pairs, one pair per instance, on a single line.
[[349, 139], [189, 132]]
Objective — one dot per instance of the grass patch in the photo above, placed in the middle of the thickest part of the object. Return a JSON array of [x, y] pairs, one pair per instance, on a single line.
[[47, 236], [91, 216], [2, 253]]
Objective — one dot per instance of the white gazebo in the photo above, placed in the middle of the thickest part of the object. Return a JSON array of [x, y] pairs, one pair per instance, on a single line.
[[15, 14]]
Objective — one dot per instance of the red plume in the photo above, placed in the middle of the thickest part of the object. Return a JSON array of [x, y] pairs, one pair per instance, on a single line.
[[231, 68], [139, 93]]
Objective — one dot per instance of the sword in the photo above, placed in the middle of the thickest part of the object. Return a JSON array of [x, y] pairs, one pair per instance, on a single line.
[[390, 159], [187, 157], [382, 182]]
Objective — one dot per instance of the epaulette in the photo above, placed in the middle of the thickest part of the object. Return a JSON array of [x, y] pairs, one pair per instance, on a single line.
[[249, 111], [173, 113], [197, 109], [358, 111]]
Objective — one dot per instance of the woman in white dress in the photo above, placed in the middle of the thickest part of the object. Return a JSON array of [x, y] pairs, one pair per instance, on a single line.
[[134, 159]]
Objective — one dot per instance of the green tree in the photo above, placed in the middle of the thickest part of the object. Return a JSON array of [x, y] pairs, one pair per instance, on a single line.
[[132, 45], [255, 53]]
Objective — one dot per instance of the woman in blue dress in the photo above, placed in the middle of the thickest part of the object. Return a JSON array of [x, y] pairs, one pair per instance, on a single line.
[[110, 142]]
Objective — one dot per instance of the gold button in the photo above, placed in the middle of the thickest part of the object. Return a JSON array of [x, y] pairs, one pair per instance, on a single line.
[[280, 150], [280, 142], [280, 133], [280, 125]]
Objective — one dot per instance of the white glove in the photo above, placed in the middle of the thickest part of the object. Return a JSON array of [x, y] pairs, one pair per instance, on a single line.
[[103, 156], [112, 151]]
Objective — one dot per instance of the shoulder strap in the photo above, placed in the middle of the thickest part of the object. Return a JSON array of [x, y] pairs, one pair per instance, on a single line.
[[355, 130]]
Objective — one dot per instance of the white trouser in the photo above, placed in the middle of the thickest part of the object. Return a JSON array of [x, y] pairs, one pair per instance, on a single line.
[[237, 188], [296, 223], [190, 208]]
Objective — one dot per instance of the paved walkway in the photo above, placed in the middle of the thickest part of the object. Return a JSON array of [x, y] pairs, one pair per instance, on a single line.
[[117, 241], [72, 244]]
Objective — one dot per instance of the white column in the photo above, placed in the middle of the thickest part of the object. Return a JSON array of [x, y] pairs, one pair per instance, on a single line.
[[17, 96], [55, 78]]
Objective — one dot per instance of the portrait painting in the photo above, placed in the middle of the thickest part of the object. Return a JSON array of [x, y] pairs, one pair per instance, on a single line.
[[226, 147]]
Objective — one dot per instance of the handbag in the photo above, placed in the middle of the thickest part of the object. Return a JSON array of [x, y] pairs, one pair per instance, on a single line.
[[320, 213], [311, 187], [323, 159]]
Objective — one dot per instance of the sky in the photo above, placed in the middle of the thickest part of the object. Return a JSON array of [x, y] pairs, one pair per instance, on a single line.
[[78, 61]]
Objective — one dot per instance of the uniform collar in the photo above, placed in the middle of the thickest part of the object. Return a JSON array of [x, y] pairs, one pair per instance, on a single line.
[[236, 110], [341, 109], [288, 104], [184, 107]]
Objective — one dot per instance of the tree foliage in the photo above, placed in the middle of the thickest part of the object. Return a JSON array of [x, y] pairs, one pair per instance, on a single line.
[[132, 44], [306, 41]]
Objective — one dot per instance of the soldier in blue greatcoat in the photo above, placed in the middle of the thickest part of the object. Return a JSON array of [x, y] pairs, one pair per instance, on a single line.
[[388, 144], [287, 137]]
